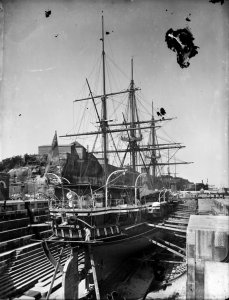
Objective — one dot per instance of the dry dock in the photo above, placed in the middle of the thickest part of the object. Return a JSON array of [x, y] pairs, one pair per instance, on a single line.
[[207, 260], [27, 274]]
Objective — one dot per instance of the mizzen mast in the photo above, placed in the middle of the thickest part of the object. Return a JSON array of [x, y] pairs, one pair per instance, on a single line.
[[154, 159]]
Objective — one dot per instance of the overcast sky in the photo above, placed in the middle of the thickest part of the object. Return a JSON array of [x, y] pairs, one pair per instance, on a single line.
[[45, 60]]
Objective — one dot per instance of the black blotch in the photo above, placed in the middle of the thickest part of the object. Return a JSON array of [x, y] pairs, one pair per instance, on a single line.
[[188, 20], [217, 1], [19, 115], [47, 13], [161, 112], [166, 10], [107, 32], [56, 35], [181, 42]]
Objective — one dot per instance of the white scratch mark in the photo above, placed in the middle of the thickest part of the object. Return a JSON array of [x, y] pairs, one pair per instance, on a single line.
[[41, 70]]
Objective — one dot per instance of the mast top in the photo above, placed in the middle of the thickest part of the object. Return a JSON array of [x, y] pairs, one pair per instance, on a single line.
[[132, 69]]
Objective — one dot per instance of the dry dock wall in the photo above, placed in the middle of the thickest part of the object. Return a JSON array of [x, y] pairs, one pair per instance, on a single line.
[[207, 250]]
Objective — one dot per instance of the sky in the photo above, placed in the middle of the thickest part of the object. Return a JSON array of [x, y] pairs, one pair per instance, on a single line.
[[44, 62]]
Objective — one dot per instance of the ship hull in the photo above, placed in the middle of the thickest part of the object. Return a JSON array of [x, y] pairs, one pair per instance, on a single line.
[[109, 255]]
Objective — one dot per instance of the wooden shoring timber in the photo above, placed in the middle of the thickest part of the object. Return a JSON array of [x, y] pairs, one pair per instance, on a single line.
[[183, 212], [185, 205], [167, 248], [168, 261], [172, 245], [179, 216], [97, 294], [161, 260], [173, 225], [55, 272], [50, 257], [177, 221], [180, 235], [185, 209], [167, 228]]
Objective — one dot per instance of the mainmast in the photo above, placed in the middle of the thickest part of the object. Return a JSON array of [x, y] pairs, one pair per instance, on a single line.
[[104, 124], [132, 120]]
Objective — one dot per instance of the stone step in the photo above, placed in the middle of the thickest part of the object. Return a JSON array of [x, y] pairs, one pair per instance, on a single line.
[[40, 211], [23, 263], [22, 271], [10, 262], [42, 281], [44, 290], [46, 234], [24, 284], [24, 279], [16, 242], [48, 279], [20, 266], [14, 214], [7, 263], [27, 248], [27, 268], [12, 224], [13, 233], [14, 290], [5, 255]]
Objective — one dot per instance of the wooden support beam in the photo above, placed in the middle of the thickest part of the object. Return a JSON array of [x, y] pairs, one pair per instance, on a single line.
[[179, 216], [162, 260], [168, 261], [177, 221], [172, 245], [50, 257], [173, 226], [180, 235], [55, 272], [185, 211], [167, 248], [97, 294], [166, 228]]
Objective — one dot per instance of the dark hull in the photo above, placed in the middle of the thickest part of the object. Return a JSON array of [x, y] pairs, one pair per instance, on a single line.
[[112, 247], [111, 254]]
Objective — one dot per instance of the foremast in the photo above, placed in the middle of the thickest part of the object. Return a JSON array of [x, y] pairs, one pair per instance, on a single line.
[[103, 123], [133, 139]]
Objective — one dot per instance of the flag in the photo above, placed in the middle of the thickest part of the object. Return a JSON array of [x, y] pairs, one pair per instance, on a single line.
[[53, 156]]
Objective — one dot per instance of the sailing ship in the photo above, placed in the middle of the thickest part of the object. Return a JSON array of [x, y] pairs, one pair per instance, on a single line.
[[103, 205]]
